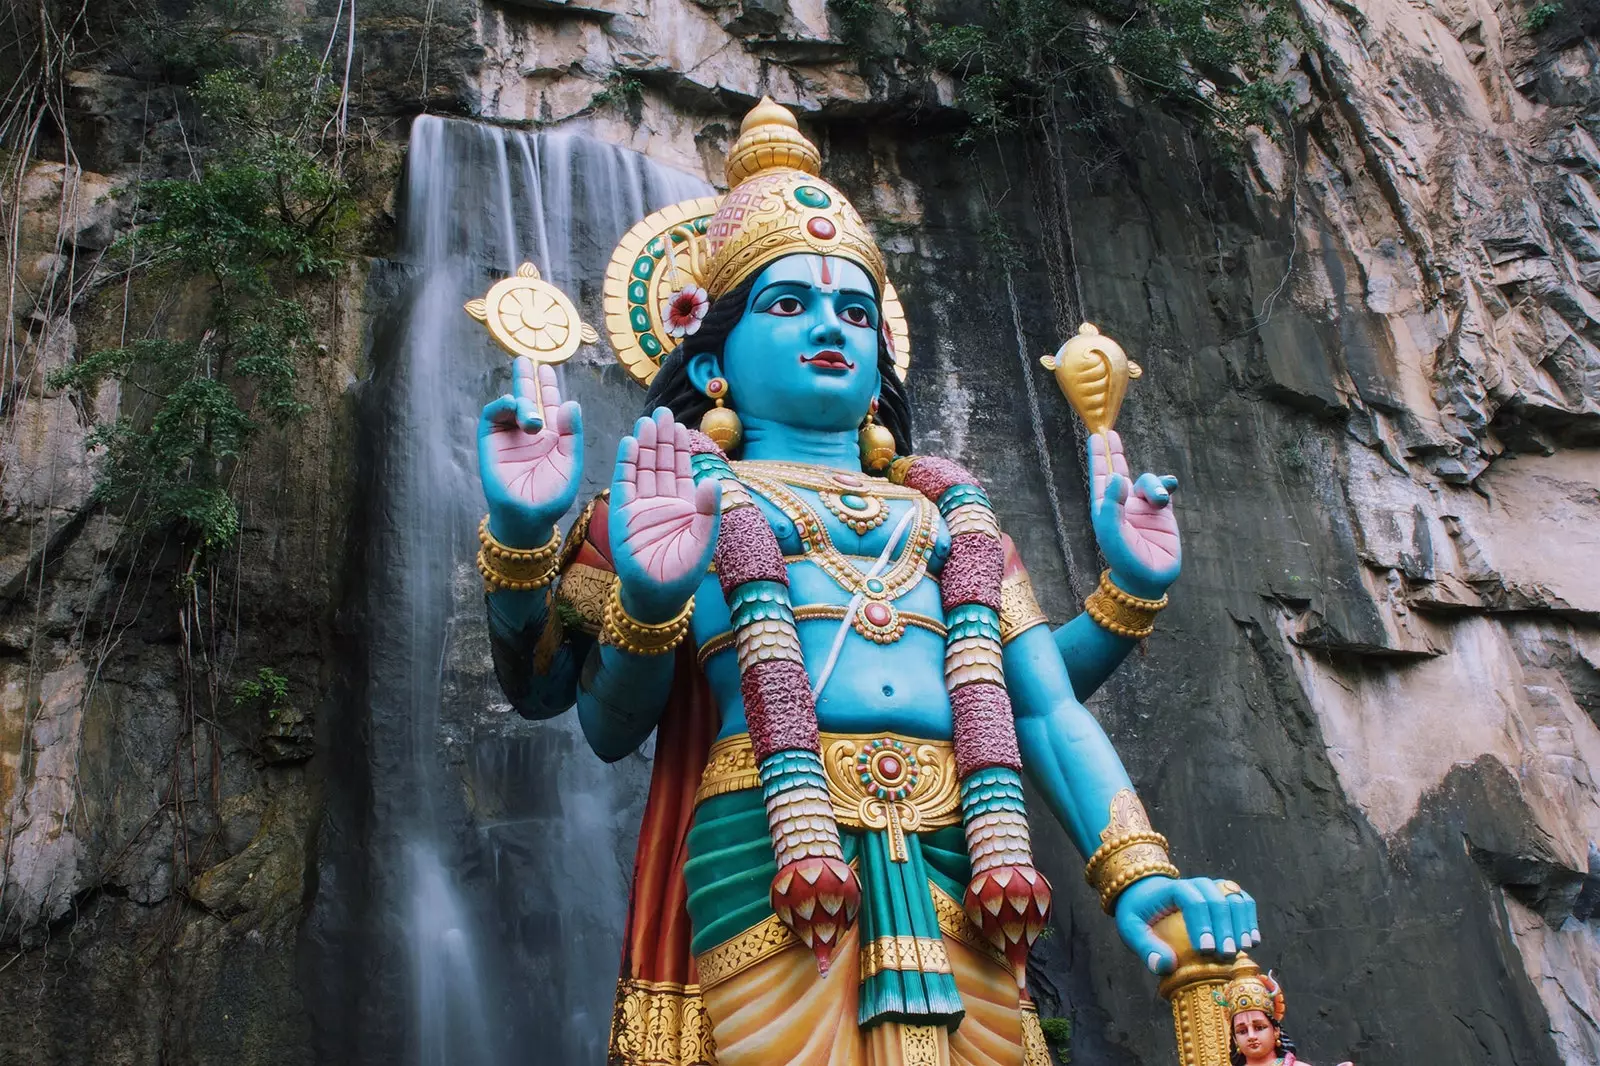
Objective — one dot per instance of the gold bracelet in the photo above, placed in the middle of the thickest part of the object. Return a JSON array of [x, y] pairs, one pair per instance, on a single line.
[[1121, 612], [516, 569], [1124, 859], [626, 633]]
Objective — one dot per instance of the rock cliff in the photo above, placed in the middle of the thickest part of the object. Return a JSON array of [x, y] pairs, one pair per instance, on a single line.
[[1370, 342]]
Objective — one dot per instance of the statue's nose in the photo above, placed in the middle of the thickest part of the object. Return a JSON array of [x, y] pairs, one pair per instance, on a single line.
[[828, 329]]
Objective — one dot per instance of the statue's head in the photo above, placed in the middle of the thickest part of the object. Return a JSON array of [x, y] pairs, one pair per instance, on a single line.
[[778, 289], [1255, 1007]]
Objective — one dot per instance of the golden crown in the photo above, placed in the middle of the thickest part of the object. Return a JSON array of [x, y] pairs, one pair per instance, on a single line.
[[1253, 992], [669, 266]]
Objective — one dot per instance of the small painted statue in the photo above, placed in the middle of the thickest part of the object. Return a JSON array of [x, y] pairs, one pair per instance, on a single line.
[[1255, 1015], [836, 647]]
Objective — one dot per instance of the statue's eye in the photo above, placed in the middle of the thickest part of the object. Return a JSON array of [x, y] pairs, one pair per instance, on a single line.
[[787, 306], [856, 316]]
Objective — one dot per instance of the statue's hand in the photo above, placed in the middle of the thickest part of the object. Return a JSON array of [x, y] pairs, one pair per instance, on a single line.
[[528, 448], [663, 526], [1133, 521], [1219, 916]]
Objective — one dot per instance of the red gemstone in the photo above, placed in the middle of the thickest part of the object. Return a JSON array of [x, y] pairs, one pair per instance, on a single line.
[[821, 228], [890, 766], [877, 614]]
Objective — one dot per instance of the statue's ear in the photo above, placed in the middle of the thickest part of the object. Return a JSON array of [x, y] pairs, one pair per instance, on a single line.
[[703, 366]]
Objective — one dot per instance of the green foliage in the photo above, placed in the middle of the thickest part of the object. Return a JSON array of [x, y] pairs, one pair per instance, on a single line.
[[1213, 55], [1542, 16], [1058, 1036], [268, 687], [856, 17], [621, 90], [269, 207], [202, 36]]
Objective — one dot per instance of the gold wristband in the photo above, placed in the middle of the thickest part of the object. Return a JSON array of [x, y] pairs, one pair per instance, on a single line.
[[1124, 859], [1121, 612], [516, 569], [626, 633]]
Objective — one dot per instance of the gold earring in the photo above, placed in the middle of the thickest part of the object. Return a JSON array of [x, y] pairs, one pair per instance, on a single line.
[[877, 443], [721, 423]]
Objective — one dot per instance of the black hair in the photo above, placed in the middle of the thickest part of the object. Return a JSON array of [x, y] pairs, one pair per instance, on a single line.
[[672, 388], [1282, 1045]]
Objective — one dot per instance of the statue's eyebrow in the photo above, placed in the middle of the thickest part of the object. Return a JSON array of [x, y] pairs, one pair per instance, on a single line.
[[792, 283]]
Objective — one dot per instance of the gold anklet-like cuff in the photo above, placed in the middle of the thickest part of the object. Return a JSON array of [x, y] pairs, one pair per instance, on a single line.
[[1121, 612], [516, 569], [1124, 859], [626, 633]]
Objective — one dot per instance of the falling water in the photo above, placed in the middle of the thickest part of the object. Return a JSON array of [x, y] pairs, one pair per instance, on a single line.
[[474, 883]]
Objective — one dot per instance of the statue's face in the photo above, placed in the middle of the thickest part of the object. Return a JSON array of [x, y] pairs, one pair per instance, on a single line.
[[805, 353], [1253, 1035]]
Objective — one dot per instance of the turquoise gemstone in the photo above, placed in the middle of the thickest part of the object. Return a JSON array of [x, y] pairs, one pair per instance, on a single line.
[[811, 196], [640, 319], [643, 266], [853, 502], [637, 292], [874, 586], [649, 345]]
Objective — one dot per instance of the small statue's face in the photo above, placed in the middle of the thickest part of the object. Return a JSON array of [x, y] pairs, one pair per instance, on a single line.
[[1253, 1035], [805, 354]]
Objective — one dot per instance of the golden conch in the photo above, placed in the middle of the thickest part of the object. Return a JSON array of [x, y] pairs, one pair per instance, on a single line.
[[1093, 372], [529, 316]]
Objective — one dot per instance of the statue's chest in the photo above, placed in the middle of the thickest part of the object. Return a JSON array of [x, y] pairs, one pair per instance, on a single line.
[[829, 522]]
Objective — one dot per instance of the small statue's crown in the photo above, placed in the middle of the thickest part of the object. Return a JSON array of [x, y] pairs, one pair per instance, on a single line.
[[1254, 992]]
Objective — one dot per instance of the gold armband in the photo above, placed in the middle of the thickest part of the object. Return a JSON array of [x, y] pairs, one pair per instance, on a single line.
[[626, 633], [1120, 612], [1129, 850], [516, 569]]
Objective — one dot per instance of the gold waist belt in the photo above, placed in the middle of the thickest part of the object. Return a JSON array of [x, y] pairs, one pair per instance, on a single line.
[[879, 781]]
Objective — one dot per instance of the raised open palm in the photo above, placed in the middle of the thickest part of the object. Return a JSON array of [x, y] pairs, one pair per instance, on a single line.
[[663, 526], [1133, 520], [529, 443]]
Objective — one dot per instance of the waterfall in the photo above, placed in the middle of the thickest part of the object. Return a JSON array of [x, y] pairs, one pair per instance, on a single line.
[[473, 866]]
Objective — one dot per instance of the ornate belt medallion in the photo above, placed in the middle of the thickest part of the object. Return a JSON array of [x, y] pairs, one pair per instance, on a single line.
[[894, 783], [901, 784]]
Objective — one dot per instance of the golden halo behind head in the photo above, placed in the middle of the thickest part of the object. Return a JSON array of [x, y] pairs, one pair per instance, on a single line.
[[776, 206]]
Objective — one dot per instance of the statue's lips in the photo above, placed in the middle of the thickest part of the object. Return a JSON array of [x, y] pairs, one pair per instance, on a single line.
[[828, 360]]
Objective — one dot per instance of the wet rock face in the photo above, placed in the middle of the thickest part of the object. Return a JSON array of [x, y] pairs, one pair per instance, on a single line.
[[1371, 358]]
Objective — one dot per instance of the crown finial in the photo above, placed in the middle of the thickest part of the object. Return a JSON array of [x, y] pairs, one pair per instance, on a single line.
[[770, 139]]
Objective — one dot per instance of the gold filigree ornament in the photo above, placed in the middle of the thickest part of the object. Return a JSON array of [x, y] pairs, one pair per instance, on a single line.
[[527, 315], [776, 206]]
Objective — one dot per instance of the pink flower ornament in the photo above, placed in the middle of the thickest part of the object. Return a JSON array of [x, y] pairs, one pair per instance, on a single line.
[[684, 310]]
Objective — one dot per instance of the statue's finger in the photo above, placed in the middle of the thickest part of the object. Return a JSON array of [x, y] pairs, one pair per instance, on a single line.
[[569, 424], [1239, 908], [1227, 942], [645, 430], [1169, 482], [1157, 954], [623, 483], [549, 392], [685, 469], [1119, 461], [708, 496], [1150, 487], [500, 412], [1196, 915]]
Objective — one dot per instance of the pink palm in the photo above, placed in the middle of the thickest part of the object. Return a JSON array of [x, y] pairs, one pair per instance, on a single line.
[[533, 468], [1146, 528], [663, 525]]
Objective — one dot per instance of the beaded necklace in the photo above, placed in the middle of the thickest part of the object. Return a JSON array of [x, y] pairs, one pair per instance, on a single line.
[[878, 620]]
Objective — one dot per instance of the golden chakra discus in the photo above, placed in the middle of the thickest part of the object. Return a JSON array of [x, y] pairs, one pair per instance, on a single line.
[[527, 315]]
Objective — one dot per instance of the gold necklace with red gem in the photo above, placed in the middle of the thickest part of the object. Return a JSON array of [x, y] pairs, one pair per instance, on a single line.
[[878, 619]]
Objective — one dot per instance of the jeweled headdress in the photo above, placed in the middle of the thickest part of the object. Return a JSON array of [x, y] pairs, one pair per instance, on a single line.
[[669, 266], [1254, 992]]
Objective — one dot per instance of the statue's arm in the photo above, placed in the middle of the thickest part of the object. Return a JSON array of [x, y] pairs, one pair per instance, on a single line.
[[1070, 760], [1065, 753], [517, 622], [1089, 652]]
